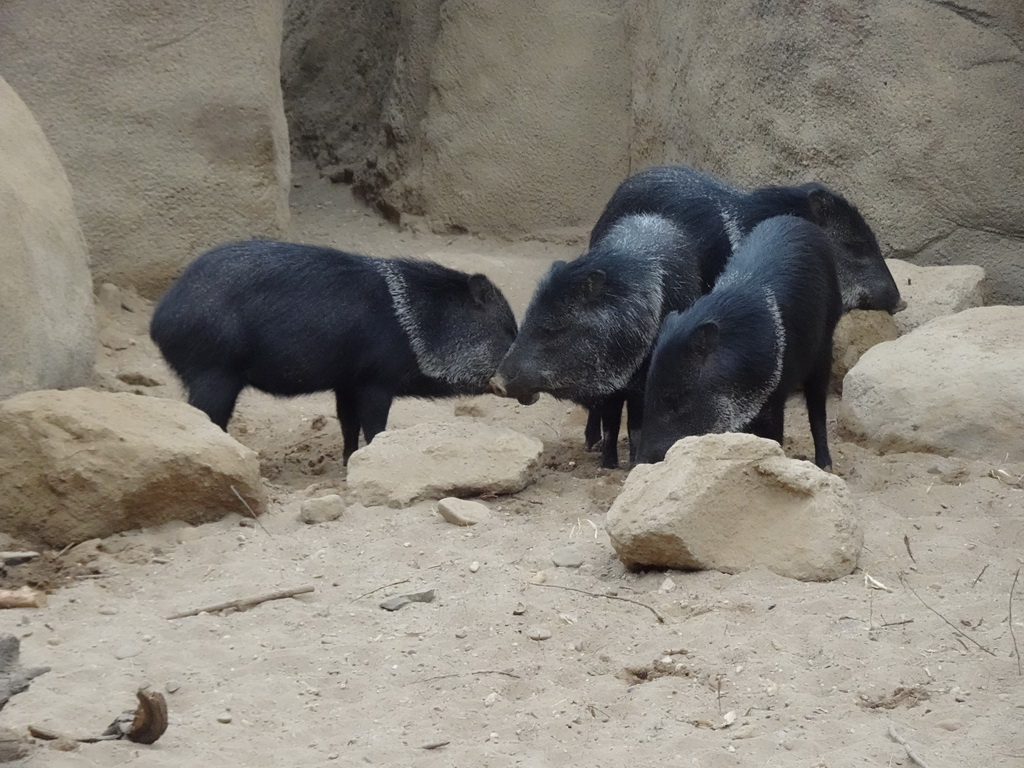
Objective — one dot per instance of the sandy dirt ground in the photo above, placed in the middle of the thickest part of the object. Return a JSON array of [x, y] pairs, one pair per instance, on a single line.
[[746, 670]]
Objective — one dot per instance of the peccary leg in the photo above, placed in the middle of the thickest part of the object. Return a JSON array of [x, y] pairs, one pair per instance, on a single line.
[[611, 419], [592, 432], [215, 393], [373, 407], [349, 418], [815, 395], [634, 421], [770, 421]]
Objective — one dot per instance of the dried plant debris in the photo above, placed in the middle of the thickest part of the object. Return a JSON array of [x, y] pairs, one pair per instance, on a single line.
[[14, 678], [145, 724], [142, 725], [663, 667], [901, 696], [400, 601]]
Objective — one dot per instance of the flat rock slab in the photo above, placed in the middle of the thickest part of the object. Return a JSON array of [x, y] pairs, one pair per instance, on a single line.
[[932, 292], [80, 464], [954, 387], [462, 512], [733, 502], [438, 459]]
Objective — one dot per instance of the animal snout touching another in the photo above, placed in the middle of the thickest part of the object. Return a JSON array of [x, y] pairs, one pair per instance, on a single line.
[[900, 306], [498, 386]]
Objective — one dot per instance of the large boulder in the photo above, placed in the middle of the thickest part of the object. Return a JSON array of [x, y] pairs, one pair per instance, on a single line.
[[953, 387], [81, 464], [438, 459], [168, 118], [911, 108], [732, 502], [856, 333], [932, 292], [46, 307]]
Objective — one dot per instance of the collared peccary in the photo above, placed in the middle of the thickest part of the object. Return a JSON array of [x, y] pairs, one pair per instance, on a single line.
[[293, 319], [728, 363], [717, 216], [591, 322]]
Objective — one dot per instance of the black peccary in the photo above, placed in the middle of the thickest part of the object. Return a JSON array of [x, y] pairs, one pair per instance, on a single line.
[[591, 322], [728, 363], [717, 215], [293, 319]]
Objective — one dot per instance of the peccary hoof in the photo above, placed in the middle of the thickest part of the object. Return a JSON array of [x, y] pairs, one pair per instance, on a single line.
[[529, 399]]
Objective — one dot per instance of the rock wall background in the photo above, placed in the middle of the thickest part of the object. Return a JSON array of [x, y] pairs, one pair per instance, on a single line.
[[521, 123], [168, 118]]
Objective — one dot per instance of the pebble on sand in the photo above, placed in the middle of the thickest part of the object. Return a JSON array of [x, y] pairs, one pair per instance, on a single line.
[[538, 633], [569, 556]]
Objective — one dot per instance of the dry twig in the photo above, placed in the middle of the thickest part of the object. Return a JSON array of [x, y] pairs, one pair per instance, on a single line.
[[904, 582], [910, 750], [378, 589], [477, 672], [1012, 633], [243, 603], [246, 503], [661, 619], [978, 578]]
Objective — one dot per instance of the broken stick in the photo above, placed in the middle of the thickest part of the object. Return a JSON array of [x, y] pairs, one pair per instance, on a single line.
[[245, 602]]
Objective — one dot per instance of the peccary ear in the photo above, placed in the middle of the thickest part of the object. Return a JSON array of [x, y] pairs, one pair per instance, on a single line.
[[704, 340], [822, 205], [593, 284], [481, 289]]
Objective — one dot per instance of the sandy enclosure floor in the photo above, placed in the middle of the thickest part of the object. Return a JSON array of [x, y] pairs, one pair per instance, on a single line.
[[747, 670]]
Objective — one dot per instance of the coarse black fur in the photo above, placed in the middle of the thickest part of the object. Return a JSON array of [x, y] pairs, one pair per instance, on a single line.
[[293, 319], [728, 363], [716, 216], [591, 322]]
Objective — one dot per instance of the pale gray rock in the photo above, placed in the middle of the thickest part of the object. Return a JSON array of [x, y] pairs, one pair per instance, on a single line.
[[953, 386], [732, 502], [438, 459]]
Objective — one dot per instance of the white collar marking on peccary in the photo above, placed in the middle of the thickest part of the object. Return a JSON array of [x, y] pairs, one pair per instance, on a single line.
[[432, 362], [738, 409], [732, 227]]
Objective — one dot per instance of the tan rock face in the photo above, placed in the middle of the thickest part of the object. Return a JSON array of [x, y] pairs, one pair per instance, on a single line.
[[731, 502], [932, 292], [855, 334], [168, 118], [954, 386], [81, 464], [769, 92], [438, 459], [48, 334]]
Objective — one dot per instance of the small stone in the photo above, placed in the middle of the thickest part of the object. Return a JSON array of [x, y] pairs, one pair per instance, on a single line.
[[109, 297], [519, 610], [461, 633], [569, 556], [539, 577], [127, 651], [474, 566], [667, 586], [224, 718], [462, 512], [107, 611], [172, 686], [538, 633], [321, 510], [578, 645], [53, 641], [491, 699], [950, 725]]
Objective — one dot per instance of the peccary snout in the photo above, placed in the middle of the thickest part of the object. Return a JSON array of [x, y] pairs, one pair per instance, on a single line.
[[499, 386]]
